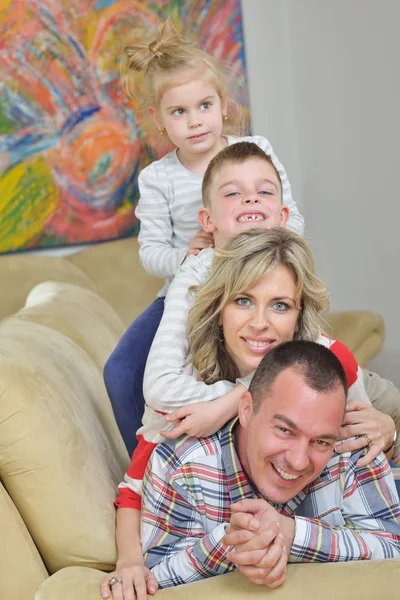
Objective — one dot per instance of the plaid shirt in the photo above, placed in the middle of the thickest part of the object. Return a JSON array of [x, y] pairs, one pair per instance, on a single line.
[[348, 513]]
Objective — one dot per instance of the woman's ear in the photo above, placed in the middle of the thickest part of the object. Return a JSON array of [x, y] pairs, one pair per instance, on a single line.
[[156, 119], [205, 220], [224, 104], [245, 410]]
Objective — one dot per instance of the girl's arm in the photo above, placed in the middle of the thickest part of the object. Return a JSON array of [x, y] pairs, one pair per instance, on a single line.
[[157, 254], [130, 567], [167, 384], [296, 220]]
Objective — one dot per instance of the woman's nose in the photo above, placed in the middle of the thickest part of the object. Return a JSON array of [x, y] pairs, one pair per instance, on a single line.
[[259, 320]]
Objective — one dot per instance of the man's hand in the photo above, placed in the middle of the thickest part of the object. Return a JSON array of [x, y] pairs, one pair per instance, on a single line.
[[364, 421], [262, 539], [201, 240]]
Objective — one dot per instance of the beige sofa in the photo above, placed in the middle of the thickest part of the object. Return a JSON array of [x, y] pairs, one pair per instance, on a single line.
[[61, 455]]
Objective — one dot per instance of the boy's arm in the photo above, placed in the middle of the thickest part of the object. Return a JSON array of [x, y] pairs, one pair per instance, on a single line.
[[296, 220], [167, 385], [157, 254], [371, 519], [177, 547]]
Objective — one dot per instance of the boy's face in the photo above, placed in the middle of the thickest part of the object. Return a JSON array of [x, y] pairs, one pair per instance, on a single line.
[[243, 196]]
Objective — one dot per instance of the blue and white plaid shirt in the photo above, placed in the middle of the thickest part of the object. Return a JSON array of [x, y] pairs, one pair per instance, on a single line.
[[348, 513]]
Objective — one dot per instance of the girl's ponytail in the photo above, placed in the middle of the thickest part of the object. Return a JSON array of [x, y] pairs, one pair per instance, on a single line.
[[168, 40]]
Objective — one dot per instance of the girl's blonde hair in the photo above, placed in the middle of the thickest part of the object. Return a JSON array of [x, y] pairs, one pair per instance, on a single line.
[[237, 267], [168, 61]]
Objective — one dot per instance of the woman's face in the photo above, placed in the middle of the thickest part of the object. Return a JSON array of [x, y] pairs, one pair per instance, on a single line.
[[260, 318]]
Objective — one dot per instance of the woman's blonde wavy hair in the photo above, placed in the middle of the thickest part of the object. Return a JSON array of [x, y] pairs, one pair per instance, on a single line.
[[169, 60], [237, 267]]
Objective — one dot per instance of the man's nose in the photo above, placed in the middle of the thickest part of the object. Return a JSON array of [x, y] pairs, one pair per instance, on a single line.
[[298, 456]]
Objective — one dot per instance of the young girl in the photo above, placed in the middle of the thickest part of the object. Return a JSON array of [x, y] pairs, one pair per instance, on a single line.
[[187, 97]]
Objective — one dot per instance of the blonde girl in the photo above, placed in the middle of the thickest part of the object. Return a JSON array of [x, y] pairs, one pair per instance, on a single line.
[[186, 95]]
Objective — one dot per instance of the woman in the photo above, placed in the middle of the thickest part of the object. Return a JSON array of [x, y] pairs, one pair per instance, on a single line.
[[262, 290]]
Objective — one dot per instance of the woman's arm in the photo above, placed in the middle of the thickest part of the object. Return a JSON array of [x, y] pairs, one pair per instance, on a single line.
[[296, 220], [167, 384], [130, 569], [157, 254]]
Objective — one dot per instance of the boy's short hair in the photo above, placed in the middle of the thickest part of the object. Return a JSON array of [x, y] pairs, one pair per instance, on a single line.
[[235, 153]]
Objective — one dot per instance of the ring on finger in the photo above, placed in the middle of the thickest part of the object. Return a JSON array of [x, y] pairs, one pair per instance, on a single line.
[[113, 580], [369, 441]]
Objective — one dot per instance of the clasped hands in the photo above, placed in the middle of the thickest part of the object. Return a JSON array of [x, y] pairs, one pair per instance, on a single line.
[[261, 539]]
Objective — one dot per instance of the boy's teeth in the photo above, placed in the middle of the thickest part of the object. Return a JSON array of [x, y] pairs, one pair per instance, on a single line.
[[245, 218], [258, 344], [285, 475]]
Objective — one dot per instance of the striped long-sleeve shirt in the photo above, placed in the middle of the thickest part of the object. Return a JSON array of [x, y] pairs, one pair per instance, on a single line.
[[347, 513], [170, 199], [170, 382]]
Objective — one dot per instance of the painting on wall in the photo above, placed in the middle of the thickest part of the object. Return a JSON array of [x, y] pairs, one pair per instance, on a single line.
[[71, 141]]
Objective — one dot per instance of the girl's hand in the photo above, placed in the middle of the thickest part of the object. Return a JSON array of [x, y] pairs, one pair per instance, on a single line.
[[201, 240], [135, 581], [364, 421], [200, 419]]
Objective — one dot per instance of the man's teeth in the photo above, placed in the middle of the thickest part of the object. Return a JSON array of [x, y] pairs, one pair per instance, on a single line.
[[245, 218], [285, 475], [258, 344]]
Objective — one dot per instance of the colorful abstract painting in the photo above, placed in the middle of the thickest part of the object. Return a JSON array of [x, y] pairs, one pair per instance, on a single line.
[[71, 141]]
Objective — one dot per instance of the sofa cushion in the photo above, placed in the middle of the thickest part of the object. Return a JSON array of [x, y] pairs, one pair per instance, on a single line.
[[17, 550], [78, 313], [119, 277], [61, 456]]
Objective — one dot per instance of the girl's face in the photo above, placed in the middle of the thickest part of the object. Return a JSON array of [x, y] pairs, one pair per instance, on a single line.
[[260, 318], [191, 114]]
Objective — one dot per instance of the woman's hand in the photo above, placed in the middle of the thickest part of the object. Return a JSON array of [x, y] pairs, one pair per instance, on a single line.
[[370, 427], [200, 419], [135, 581]]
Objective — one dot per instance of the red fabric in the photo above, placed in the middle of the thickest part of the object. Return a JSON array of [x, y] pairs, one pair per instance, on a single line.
[[348, 361]]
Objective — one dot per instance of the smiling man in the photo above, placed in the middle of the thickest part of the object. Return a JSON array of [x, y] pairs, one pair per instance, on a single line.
[[268, 489]]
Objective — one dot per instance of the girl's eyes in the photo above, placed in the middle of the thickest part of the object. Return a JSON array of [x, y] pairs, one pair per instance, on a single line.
[[243, 302], [205, 105], [178, 112]]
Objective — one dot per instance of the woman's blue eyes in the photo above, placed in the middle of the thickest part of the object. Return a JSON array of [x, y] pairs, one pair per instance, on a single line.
[[243, 301], [278, 306]]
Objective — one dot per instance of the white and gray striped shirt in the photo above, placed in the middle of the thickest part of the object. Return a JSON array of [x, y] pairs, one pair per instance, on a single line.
[[170, 199]]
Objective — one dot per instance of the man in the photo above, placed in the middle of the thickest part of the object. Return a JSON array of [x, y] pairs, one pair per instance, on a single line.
[[297, 501]]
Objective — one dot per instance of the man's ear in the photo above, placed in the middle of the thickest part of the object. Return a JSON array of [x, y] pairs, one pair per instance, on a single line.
[[245, 410], [284, 216], [205, 220], [156, 119]]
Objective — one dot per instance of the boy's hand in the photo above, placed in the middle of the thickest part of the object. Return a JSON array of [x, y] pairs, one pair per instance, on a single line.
[[201, 240], [200, 419]]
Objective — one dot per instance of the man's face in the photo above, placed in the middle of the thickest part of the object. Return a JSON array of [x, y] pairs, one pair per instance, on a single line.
[[243, 196], [289, 441]]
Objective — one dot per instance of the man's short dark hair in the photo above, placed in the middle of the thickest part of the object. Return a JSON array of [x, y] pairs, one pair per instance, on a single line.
[[321, 369]]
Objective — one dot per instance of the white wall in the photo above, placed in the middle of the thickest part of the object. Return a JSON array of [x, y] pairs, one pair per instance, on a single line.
[[342, 58]]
